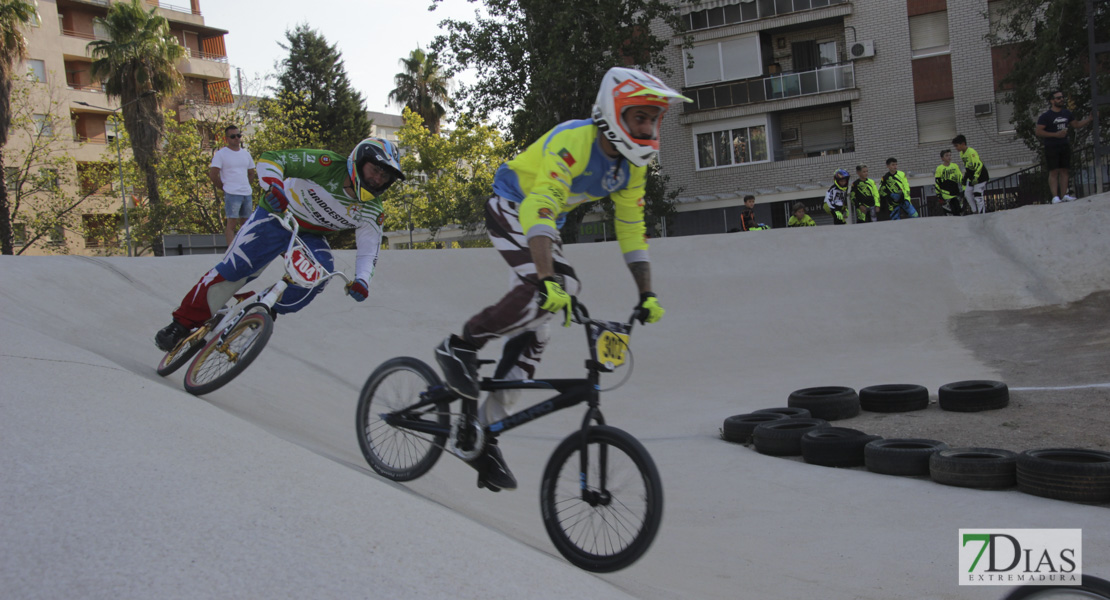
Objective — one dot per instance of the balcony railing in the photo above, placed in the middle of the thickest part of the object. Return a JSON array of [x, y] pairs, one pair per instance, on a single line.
[[83, 35], [752, 11], [189, 53], [86, 87], [168, 6], [787, 85]]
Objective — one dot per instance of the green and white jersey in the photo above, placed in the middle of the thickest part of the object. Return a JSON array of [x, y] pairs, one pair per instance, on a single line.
[[313, 181]]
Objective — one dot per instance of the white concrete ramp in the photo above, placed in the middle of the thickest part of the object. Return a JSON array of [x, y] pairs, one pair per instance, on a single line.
[[118, 484]]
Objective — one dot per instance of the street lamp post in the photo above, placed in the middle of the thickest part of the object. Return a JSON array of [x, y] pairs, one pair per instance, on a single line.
[[119, 159]]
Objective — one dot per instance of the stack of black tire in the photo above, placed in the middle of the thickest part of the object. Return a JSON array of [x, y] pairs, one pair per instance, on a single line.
[[802, 428]]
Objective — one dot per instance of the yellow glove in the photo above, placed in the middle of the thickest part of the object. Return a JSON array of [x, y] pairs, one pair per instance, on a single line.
[[554, 298], [649, 310]]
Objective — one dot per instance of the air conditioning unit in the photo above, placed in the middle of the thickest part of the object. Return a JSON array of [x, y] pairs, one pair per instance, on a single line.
[[846, 115], [864, 49], [982, 110]]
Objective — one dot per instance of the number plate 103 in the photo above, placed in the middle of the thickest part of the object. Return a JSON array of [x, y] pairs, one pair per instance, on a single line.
[[611, 347]]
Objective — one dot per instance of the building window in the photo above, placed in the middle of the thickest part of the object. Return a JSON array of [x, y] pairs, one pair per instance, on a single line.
[[44, 125], [827, 53], [57, 236], [734, 146], [101, 230], [1004, 112], [735, 58], [929, 34], [19, 234], [36, 70], [824, 137], [936, 121]]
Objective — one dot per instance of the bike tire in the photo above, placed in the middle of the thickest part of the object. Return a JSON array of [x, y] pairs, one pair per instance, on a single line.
[[214, 367], [615, 529], [396, 453], [176, 358]]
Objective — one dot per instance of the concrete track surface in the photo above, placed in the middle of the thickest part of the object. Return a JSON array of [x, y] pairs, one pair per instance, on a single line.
[[118, 484]]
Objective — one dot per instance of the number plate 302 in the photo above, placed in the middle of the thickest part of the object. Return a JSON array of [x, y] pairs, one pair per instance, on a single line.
[[610, 348]]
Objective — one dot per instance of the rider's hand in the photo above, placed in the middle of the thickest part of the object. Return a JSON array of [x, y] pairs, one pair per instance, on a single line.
[[554, 298], [357, 289], [649, 311], [277, 200]]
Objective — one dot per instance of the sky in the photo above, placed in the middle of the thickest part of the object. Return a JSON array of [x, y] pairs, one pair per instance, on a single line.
[[371, 35]]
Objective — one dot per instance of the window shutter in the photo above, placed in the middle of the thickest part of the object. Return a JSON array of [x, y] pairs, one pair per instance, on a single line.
[[936, 121], [707, 65], [929, 33], [818, 136]]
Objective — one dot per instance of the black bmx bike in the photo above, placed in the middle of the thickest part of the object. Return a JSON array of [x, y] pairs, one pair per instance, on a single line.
[[601, 497]]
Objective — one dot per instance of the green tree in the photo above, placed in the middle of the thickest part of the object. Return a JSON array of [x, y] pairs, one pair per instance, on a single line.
[[43, 187], [140, 57], [314, 72], [422, 88], [14, 16], [1047, 41], [541, 61], [450, 176]]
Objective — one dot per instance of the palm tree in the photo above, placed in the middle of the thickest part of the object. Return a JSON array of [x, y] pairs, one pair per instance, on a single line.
[[139, 57], [14, 15], [422, 87]]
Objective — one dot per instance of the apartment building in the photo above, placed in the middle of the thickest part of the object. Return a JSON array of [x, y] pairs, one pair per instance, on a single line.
[[57, 56], [787, 91]]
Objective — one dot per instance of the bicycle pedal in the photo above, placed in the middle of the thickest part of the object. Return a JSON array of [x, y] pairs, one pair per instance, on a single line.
[[485, 484]]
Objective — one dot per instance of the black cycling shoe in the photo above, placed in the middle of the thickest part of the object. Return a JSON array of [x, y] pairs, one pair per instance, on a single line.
[[459, 362], [493, 471], [167, 338]]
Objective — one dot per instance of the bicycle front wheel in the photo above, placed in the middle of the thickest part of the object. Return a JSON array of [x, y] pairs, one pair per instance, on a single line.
[[182, 352], [1090, 587], [601, 507], [398, 453], [222, 360]]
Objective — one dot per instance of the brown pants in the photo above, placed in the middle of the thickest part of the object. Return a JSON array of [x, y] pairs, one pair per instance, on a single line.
[[517, 314]]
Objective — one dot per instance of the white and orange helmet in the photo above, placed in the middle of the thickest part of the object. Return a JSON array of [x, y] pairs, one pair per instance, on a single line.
[[621, 89]]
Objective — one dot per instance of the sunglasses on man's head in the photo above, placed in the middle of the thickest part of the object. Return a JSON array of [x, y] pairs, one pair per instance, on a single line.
[[235, 135]]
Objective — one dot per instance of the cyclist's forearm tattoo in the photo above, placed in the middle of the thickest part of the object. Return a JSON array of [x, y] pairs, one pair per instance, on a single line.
[[641, 272]]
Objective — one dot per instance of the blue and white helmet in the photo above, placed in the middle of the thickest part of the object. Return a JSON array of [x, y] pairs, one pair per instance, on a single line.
[[383, 154], [841, 175]]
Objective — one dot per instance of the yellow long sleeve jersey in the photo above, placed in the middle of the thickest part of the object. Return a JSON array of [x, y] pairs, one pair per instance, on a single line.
[[566, 168]]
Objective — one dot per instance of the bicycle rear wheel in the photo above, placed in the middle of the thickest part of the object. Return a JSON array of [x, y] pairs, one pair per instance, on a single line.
[[222, 360], [182, 352], [601, 510], [398, 453], [1090, 587]]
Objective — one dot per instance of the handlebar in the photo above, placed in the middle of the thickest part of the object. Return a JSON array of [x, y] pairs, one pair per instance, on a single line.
[[289, 221], [580, 315]]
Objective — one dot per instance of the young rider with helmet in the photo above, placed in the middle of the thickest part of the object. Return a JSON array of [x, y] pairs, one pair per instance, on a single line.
[[325, 193], [576, 162], [836, 199]]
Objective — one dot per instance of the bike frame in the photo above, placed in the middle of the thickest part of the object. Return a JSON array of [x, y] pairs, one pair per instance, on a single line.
[[572, 391], [301, 268]]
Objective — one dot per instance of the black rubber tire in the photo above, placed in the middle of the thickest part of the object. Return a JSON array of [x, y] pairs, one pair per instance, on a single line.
[[784, 437], [894, 398], [738, 428], [830, 403], [609, 535], [1074, 474], [181, 353], [974, 395], [213, 368], [791, 411], [835, 446], [1092, 586], [980, 468], [396, 453], [900, 456]]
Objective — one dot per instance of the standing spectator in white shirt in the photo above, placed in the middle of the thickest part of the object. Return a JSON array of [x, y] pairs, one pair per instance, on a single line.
[[231, 172]]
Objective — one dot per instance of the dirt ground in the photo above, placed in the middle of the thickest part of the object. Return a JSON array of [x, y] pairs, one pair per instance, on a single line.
[[1038, 351]]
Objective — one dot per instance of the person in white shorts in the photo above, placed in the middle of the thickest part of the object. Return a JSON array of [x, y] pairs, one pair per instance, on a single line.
[[231, 172]]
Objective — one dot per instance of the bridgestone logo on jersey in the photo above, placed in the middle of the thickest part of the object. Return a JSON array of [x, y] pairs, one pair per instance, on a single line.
[[331, 213]]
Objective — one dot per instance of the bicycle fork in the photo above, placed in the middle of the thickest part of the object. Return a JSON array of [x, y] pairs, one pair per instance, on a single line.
[[599, 495]]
